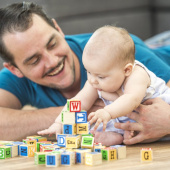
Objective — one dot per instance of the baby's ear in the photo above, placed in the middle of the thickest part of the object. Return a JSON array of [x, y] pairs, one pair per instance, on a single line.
[[128, 69]]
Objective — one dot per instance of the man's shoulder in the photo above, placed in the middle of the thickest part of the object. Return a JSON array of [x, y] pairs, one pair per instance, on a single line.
[[78, 38]]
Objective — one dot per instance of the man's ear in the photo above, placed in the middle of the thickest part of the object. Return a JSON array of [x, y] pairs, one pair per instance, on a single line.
[[14, 70], [57, 27], [128, 69]]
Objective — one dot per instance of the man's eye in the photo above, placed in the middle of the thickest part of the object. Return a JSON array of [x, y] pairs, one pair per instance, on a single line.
[[52, 46], [35, 61]]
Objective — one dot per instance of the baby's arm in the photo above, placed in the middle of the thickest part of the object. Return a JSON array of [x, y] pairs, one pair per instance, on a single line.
[[134, 91], [87, 96]]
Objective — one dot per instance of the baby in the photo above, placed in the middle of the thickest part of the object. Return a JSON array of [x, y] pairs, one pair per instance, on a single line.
[[118, 79]]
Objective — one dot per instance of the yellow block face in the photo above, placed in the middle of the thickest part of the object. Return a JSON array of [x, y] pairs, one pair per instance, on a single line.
[[112, 154], [82, 128], [42, 139], [71, 142], [146, 155], [31, 150], [32, 142]]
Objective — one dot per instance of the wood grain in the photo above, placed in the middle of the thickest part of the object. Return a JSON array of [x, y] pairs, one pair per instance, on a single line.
[[161, 160]]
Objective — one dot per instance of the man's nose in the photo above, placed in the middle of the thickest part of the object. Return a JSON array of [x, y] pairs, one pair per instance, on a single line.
[[50, 59]]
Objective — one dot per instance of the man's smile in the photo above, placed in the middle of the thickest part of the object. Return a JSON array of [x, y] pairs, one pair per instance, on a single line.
[[56, 70]]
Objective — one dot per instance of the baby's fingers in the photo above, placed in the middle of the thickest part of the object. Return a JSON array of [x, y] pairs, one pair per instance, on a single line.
[[91, 115], [104, 125], [97, 123], [93, 120]]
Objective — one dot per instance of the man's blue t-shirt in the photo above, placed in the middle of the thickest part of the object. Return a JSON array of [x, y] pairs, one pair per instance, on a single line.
[[40, 96]]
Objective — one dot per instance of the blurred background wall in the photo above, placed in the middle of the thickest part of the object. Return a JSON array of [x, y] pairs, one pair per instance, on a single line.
[[143, 18]]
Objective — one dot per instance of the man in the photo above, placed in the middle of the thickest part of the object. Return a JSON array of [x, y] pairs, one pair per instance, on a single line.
[[44, 68]]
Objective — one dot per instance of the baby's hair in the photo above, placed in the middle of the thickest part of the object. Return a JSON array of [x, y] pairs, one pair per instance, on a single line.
[[117, 40]]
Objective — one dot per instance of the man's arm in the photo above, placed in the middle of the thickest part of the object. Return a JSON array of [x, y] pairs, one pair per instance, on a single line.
[[16, 124], [152, 121]]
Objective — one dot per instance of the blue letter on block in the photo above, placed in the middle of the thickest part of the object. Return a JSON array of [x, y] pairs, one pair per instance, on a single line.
[[78, 157], [61, 140], [81, 117], [23, 151], [67, 129], [50, 160], [97, 150], [65, 159]]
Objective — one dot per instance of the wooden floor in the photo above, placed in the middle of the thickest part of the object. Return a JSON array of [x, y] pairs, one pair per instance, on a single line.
[[161, 160]]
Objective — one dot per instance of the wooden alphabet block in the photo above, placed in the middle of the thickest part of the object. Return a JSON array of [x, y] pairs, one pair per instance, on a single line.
[[81, 117], [93, 158], [69, 129], [37, 138], [44, 145], [146, 155], [27, 150], [83, 128], [68, 117], [41, 139], [109, 154], [14, 150], [48, 148], [39, 143], [68, 158], [39, 158], [61, 140], [73, 141], [53, 159], [5, 152], [30, 141], [80, 155], [121, 151], [87, 142], [18, 144], [33, 137], [98, 147], [73, 105]]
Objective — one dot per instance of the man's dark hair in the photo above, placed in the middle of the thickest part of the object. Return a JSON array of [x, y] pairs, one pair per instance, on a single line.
[[17, 17]]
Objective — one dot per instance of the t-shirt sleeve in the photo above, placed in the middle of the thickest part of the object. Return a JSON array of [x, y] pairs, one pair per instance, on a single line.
[[17, 86]]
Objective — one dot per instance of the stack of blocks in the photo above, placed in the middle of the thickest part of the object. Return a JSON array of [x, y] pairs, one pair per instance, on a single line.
[[74, 145]]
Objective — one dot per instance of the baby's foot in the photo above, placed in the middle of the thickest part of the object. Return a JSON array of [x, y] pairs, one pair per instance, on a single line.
[[129, 134], [107, 138]]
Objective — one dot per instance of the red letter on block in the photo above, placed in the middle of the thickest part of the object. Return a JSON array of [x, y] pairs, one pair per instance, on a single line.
[[75, 106]]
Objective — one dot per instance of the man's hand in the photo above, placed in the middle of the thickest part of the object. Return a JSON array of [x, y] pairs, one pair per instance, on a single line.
[[152, 121], [99, 116], [55, 128]]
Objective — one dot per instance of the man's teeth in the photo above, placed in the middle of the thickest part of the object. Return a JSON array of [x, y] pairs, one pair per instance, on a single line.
[[57, 70]]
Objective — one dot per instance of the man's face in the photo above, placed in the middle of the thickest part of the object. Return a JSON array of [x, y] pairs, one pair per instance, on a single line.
[[42, 55]]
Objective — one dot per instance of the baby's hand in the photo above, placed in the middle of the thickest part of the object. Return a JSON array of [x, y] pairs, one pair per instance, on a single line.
[[55, 128], [99, 116]]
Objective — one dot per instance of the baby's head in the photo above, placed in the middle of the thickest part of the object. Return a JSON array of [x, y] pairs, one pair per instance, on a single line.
[[109, 51]]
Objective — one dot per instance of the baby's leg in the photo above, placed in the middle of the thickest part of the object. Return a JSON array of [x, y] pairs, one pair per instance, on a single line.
[[108, 138]]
